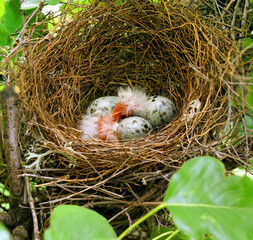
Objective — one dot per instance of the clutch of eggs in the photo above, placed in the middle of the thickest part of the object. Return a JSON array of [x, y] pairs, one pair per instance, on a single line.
[[156, 111]]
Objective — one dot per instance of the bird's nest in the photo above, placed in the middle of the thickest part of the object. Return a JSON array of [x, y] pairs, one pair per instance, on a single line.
[[169, 50]]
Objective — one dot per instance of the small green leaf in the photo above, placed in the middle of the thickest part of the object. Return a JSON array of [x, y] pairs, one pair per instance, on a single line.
[[4, 207], [249, 95], [2, 87], [4, 233], [203, 202], [4, 191], [246, 42], [70, 222]]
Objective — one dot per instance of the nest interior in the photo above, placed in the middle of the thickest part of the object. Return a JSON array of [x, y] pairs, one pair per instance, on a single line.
[[164, 47]]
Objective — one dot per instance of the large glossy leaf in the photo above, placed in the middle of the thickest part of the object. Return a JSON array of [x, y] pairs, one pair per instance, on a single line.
[[203, 202], [70, 222]]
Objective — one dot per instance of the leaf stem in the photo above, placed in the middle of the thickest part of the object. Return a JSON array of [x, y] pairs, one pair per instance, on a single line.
[[163, 235], [173, 234], [153, 211]]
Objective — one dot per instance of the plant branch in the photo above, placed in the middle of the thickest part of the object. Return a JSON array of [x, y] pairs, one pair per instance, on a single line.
[[12, 153], [16, 215]]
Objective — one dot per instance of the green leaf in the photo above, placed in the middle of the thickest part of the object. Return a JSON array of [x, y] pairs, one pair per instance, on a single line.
[[246, 42], [2, 8], [4, 233], [241, 170], [4, 39], [30, 4], [70, 222], [203, 201], [240, 131], [87, 2], [52, 2], [12, 18], [249, 95], [4, 207], [248, 121], [4, 191]]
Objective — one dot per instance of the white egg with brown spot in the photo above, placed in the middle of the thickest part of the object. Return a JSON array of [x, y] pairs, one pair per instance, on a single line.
[[133, 127], [102, 106], [158, 110]]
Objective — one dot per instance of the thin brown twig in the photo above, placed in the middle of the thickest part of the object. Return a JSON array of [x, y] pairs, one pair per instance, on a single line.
[[86, 189], [39, 8], [32, 208], [244, 17]]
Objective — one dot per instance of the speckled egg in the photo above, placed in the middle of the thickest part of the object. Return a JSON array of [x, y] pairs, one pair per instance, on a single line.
[[158, 110], [102, 106], [133, 127]]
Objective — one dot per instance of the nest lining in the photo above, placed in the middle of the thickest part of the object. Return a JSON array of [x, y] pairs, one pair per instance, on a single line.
[[163, 47]]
